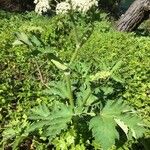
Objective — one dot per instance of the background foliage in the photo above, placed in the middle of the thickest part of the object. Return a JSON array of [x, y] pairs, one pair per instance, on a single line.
[[25, 73]]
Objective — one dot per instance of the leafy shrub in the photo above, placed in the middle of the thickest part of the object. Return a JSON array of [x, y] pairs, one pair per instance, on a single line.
[[145, 27], [27, 72], [133, 51]]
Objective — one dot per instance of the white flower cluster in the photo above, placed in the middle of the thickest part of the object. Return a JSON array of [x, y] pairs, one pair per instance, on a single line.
[[83, 5], [62, 8], [41, 6], [76, 5]]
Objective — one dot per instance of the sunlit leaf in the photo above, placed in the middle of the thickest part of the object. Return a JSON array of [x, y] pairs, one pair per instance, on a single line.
[[59, 65]]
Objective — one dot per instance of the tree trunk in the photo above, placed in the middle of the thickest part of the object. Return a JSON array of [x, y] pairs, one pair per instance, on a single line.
[[16, 5], [134, 16]]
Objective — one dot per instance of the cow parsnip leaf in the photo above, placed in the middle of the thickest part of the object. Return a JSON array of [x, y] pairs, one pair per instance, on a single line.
[[58, 89], [122, 126], [39, 112], [115, 108], [58, 121], [112, 115], [104, 132], [9, 133], [53, 122], [125, 114], [134, 124], [85, 96], [37, 125]]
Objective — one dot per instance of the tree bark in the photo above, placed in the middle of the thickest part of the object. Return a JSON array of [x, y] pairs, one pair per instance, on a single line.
[[16, 5], [134, 16]]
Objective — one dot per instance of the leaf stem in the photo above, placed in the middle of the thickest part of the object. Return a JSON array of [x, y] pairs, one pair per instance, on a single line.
[[77, 40], [70, 95], [74, 54], [40, 74], [85, 100]]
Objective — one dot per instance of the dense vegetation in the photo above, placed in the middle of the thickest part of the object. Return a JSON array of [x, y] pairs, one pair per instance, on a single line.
[[54, 98]]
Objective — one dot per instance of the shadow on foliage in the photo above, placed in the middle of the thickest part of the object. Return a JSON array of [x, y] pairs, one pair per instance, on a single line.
[[143, 144]]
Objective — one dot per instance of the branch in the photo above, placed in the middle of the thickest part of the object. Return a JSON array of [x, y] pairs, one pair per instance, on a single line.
[[40, 74]]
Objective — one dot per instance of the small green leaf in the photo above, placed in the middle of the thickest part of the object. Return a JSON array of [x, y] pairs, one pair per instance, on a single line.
[[117, 78], [35, 40], [100, 75], [9, 133], [23, 38], [107, 90], [59, 65], [116, 66], [85, 96], [17, 42]]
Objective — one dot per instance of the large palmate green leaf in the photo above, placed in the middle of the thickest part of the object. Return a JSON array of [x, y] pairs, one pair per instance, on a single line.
[[85, 96], [125, 117], [58, 89], [115, 109], [115, 114], [135, 125], [53, 122], [58, 121], [40, 112], [104, 131]]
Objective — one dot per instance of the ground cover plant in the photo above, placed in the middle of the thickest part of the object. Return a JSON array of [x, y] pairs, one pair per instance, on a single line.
[[72, 84]]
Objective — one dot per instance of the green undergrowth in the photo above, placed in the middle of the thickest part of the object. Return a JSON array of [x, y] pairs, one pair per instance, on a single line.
[[25, 73]]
